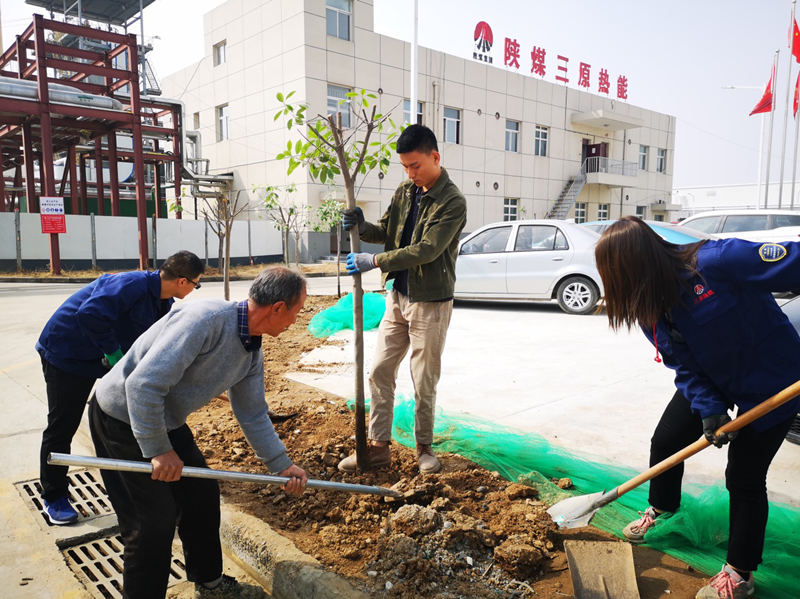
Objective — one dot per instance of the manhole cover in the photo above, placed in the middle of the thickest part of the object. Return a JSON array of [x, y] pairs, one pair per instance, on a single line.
[[98, 565], [89, 497]]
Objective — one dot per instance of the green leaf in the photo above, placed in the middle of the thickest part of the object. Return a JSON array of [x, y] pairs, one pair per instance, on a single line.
[[289, 146], [373, 96], [297, 146], [280, 97], [292, 167], [365, 102], [278, 115], [289, 125], [351, 94], [323, 175], [289, 95], [278, 157]]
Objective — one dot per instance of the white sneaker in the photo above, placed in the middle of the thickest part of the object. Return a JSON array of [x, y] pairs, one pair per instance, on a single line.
[[727, 585], [636, 530]]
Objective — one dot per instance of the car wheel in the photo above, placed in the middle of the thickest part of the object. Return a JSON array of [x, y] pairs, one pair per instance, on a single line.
[[577, 295]]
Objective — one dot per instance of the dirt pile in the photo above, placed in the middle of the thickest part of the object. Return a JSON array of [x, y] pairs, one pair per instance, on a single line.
[[463, 532]]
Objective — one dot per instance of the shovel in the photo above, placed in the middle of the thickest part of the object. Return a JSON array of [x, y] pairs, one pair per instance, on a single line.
[[65, 459], [578, 511]]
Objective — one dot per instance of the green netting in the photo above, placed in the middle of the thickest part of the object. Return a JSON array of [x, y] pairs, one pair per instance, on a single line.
[[697, 534], [340, 316]]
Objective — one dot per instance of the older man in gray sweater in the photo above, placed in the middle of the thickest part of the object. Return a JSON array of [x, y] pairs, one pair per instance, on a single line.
[[190, 356]]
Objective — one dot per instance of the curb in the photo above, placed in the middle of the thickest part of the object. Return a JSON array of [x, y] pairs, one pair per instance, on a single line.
[[309, 275], [276, 563]]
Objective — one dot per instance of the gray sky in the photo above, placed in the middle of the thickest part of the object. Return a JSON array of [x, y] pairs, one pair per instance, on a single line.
[[676, 55]]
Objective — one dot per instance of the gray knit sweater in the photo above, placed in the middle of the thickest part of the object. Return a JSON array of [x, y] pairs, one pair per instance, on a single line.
[[180, 364]]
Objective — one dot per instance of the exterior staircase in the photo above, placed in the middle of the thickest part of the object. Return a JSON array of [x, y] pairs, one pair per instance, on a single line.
[[564, 203]]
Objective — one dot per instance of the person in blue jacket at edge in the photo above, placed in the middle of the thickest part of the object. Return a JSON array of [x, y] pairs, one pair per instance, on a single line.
[[708, 309], [83, 339]]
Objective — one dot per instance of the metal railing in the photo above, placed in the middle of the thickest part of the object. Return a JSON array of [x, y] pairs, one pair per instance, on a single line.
[[610, 166]]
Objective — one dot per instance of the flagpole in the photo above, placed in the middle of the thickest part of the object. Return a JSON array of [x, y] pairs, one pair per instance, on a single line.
[[786, 111], [760, 156], [796, 131], [771, 124], [412, 108]]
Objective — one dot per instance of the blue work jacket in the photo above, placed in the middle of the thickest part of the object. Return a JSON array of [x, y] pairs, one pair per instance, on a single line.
[[730, 343], [109, 313]]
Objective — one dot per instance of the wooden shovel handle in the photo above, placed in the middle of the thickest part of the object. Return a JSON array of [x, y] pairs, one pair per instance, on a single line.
[[734, 425]]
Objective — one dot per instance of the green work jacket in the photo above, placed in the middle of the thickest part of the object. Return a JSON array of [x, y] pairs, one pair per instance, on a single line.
[[431, 256]]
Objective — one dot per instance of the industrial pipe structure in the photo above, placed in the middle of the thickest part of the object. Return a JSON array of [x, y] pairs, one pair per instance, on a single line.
[[75, 116]]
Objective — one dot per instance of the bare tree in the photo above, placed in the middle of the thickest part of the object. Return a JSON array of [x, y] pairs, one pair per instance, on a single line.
[[219, 216], [286, 215]]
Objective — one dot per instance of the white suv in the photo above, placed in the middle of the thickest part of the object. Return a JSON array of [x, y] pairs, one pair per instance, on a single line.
[[754, 225]]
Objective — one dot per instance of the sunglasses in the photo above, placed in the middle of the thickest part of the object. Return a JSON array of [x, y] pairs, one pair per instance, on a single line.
[[196, 285]]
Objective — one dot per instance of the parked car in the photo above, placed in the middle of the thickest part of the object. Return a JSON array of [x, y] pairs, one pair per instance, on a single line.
[[668, 231], [530, 260], [764, 225]]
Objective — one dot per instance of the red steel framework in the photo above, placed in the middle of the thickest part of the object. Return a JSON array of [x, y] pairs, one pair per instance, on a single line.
[[32, 129]]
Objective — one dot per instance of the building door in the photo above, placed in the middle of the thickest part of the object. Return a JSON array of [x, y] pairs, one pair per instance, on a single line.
[[594, 152]]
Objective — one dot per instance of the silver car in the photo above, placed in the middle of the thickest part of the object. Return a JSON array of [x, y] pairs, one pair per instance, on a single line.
[[530, 260]]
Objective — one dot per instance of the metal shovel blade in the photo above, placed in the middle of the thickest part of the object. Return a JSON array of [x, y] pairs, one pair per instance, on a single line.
[[601, 570], [578, 511]]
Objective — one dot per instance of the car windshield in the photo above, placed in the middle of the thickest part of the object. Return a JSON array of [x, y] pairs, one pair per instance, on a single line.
[[735, 224]]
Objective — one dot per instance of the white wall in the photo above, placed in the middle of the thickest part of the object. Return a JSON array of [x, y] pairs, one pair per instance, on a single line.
[[118, 239]]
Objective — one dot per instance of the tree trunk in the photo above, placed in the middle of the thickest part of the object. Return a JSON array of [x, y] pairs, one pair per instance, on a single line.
[[338, 260], [286, 247], [362, 454], [297, 251], [227, 276]]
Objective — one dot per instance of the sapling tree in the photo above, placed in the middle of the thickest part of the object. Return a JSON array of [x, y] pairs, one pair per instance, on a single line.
[[331, 149], [219, 214]]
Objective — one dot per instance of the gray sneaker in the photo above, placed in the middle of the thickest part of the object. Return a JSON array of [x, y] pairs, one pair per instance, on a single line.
[[727, 585], [636, 530], [229, 588], [428, 462]]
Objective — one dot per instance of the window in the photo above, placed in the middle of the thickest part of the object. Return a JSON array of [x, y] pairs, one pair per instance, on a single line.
[[786, 220], [407, 112], [661, 161], [580, 212], [538, 238], [736, 224], [512, 136], [222, 123], [220, 53], [452, 126], [705, 224], [337, 16], [642, 158], [335, 105], [640, 211], [510, 209], [490, 241], [196, 121], [602, 212], [540, 141]]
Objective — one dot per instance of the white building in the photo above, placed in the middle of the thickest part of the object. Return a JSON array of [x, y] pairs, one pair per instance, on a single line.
[[512, 143], [735, 197]]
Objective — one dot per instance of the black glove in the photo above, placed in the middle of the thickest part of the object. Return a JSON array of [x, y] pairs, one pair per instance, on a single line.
[[353, 217], [712, 424]]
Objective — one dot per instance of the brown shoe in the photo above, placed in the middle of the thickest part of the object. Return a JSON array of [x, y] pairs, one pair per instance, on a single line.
[[428, 462], [378, 458]]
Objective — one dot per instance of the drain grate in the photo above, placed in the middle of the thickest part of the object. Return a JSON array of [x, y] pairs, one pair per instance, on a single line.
[[98, 565], [89, 497]]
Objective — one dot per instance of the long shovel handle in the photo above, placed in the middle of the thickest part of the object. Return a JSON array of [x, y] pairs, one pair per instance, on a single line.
[[734, 425], [65, 459]]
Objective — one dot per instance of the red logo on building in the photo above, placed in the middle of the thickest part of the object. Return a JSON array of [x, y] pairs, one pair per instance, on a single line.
[[483, 42]]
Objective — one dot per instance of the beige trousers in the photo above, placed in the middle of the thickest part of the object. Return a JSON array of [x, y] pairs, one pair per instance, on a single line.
[[423, 327]]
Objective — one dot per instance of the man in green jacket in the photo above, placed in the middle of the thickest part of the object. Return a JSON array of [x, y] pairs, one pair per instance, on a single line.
[[420, 232]]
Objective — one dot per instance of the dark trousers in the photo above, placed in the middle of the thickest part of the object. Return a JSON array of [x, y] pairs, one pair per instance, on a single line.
[[66, 399], [749, 457], [148, 511]]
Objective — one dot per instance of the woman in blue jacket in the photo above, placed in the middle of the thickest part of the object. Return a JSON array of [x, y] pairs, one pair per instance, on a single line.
[[88, 334], [708, 309]]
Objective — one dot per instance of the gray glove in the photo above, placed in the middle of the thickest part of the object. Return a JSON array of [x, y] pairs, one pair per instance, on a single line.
[[357, 263], [712, 424]]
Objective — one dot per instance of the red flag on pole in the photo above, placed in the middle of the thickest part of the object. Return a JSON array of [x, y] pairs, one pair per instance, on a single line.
[[796, 94], [765, 103], [796, 42]]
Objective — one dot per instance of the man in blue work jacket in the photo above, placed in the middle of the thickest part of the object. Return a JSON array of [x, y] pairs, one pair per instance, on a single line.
[[85, 337]]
